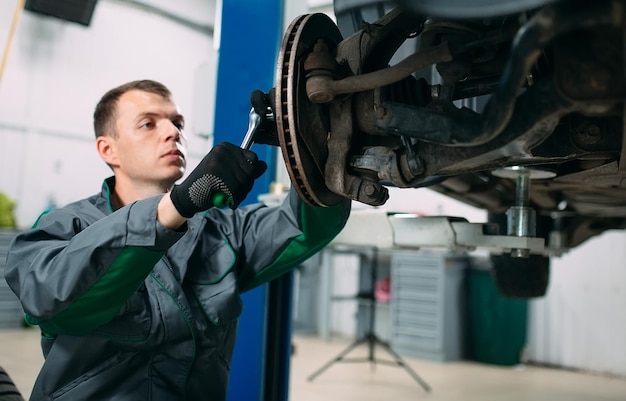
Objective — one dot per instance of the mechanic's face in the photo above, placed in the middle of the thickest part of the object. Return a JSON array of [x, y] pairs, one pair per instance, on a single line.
[[149, 147]]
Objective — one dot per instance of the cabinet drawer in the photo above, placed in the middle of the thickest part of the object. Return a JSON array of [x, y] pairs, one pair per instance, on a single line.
[[424, 341], [415, 283], [402, 316]]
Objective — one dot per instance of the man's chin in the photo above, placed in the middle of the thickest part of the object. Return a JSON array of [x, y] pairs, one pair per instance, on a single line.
[[178, 176], [171, 179]]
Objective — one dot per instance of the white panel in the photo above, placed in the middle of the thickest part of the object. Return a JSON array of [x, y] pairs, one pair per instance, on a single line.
[[345, 284], [61, 171], [204, 106], [11, 159], [580, 323]]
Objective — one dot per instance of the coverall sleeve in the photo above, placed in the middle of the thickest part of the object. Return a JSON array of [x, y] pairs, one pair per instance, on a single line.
[[76, 268], [274, 240]]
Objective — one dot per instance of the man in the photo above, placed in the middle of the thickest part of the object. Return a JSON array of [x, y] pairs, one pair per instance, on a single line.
[[136, 290]]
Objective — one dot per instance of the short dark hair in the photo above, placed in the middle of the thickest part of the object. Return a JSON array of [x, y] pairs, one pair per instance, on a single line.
[[104, 114]]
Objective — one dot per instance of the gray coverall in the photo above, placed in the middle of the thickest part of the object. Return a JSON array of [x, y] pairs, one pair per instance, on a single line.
[[130, 310]]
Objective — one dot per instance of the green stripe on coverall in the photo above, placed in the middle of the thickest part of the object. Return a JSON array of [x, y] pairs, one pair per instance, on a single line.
[[315, 236], [107, 296]]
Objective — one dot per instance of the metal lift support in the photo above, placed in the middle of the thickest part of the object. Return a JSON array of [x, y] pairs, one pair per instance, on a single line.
[[250, 34]]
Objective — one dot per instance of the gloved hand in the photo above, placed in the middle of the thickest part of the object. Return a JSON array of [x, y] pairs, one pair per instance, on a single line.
[[263, 103], [226, 169]]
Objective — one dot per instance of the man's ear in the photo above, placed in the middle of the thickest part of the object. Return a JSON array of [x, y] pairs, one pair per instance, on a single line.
[[106, 150]]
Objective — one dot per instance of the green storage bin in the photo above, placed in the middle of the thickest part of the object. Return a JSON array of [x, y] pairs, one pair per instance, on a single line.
[[496, 326]]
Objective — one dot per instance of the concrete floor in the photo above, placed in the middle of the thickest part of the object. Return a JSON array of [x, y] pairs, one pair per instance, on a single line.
[[346, 381], [458, 381]]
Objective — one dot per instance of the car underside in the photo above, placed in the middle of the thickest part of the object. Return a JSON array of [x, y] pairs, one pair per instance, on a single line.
[[514, 107]]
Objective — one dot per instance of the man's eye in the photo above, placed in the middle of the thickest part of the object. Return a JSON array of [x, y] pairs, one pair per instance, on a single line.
[[179, 124], [147, 124]]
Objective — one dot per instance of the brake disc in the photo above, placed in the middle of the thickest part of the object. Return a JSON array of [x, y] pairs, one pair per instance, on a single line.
[[303, 126]]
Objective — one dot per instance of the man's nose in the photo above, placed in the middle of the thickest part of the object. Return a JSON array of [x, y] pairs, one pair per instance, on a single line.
[[172, 132]]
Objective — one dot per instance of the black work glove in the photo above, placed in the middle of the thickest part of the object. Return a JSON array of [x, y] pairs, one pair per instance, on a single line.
[[227, 170], [263, 104]]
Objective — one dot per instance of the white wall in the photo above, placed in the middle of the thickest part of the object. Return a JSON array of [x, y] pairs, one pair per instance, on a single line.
[[56, 72], [580, 323]]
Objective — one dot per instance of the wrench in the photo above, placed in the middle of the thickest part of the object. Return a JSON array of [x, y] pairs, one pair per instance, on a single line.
[[220, 199]]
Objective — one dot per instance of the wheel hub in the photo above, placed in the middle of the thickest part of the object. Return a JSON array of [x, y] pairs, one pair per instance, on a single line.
[[303, 126]]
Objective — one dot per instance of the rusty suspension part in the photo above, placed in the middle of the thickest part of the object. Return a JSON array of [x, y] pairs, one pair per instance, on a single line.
[[322, 88]]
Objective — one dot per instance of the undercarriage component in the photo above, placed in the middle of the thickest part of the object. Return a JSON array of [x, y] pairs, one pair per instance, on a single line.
[[322, 88], [471, 8], [315, 139], [521, 217], [350, 122], [526, 47], [303, 127], [426, 95], [549, 23]]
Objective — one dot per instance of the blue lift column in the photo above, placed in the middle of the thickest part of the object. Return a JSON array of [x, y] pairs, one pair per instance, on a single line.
[[251, 33]]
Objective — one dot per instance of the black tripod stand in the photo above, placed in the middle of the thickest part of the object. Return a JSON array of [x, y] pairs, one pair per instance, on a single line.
[[370, 338]]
